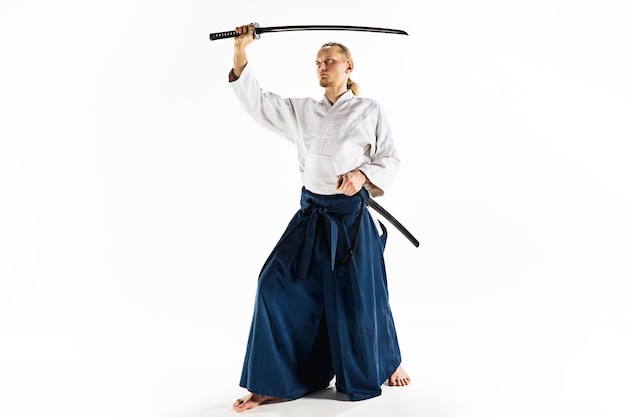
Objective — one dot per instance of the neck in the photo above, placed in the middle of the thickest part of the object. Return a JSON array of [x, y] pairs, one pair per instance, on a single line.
[[333, 93]]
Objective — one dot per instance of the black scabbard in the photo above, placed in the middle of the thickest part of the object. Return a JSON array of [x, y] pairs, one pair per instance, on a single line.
[[389, 217]]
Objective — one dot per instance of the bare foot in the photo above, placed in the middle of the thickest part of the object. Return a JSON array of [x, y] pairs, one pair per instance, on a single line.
[[399, 378], [252, 400]]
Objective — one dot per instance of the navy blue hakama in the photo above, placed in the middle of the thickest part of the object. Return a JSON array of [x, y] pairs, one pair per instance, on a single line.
[[322, 305]]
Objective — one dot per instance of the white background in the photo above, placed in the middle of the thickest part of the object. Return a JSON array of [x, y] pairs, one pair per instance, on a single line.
[[138, 202]]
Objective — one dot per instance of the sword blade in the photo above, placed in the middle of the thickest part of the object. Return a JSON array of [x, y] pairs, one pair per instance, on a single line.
[[373, 204], [258, 30], [329, 27]]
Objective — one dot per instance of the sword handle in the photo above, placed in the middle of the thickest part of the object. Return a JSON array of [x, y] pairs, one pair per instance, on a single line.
[[234, 34], [223, 35]]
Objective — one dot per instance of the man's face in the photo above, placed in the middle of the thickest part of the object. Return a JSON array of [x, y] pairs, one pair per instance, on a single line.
[[332, 69]]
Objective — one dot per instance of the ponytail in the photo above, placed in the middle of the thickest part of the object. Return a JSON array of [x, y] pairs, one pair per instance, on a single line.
[[353, 86]]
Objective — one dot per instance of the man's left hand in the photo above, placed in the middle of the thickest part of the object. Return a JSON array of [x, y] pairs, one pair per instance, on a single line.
[[351, 182]]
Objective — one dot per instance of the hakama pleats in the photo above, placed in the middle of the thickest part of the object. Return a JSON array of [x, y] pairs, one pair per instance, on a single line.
[[322, 305]]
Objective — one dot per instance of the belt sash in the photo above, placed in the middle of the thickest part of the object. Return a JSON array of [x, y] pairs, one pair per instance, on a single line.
[[316, 215]]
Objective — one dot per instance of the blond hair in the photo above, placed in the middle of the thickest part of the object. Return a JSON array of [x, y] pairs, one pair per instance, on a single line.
[[347, 55]]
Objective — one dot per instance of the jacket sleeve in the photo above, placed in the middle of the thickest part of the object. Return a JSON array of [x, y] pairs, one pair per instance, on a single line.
[[384, 161], [268, 109]]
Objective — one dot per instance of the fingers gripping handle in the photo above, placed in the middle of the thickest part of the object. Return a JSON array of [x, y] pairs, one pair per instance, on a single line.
[[234, 34]]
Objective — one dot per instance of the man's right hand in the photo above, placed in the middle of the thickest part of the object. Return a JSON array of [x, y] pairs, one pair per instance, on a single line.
[[240, 58], [246, 35]]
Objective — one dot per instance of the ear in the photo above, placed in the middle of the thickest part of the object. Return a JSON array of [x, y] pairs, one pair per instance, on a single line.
[[350, 66]]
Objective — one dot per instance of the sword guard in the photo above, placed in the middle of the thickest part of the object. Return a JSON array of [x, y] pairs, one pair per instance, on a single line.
[[256, 31]]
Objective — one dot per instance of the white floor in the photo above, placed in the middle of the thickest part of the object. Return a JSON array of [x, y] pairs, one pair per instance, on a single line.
[[461, 365]]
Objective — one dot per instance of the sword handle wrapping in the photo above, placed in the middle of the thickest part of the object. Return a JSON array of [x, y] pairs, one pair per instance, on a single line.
[[223, 35], [234, 34]]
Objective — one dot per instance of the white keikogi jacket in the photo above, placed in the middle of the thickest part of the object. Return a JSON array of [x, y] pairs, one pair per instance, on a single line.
[[332, 139]]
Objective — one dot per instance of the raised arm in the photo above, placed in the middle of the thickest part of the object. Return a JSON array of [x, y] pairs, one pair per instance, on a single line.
[[240, 58]]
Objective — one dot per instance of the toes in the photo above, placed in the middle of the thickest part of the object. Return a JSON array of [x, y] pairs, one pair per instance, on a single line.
[[399, 382], [239, 403]]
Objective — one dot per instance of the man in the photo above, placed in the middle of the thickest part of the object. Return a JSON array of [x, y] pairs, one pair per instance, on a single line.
[[322, 309]]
